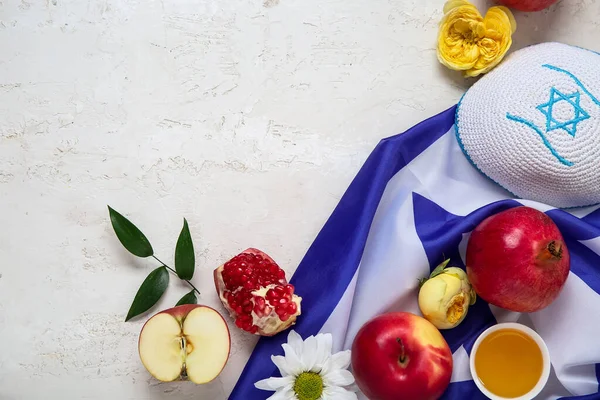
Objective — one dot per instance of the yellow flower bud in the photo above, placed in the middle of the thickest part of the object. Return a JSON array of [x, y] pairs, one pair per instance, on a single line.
[[471, 43], [444, 298]]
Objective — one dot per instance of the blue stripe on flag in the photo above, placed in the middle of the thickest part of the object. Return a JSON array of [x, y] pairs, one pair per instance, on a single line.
[[593, 218], [463, 390], [585, 228], [330, 263], [584, 262]]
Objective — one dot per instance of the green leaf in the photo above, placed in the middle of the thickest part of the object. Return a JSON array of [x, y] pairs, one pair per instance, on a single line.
[[129, 235], [472, 297], [149, 293], [439, 269], [189, 298], [184, 254]]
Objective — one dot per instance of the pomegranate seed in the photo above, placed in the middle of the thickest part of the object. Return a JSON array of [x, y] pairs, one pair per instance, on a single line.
[[284, 317], [280, 310], [292, 308], [259, 301]]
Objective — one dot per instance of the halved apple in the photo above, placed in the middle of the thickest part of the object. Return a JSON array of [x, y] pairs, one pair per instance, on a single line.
[[188, 341]]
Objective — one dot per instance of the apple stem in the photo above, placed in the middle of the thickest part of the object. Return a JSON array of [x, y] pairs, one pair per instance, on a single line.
[[403, 352], [555, 249], [173, 271]]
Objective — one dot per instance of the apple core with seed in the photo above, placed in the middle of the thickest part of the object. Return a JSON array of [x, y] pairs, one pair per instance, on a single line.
[[188, 341]]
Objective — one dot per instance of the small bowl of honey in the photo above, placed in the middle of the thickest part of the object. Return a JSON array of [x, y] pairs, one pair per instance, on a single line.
[[510, 361]]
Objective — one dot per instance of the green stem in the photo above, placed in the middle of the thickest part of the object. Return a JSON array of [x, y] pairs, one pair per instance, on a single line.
[[175, 272]]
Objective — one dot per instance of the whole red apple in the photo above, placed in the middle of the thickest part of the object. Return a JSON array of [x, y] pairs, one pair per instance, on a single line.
[[528, 5], [518, 260], [398, 356]]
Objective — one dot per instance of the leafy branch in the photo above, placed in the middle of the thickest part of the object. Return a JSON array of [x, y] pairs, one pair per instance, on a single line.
[[155, 284]]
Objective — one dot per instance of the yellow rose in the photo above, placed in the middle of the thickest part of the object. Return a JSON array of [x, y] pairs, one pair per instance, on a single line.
[[445, 297], [471, 43]]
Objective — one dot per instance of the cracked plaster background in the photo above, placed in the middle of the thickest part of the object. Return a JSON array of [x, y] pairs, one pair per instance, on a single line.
[[247, 117]]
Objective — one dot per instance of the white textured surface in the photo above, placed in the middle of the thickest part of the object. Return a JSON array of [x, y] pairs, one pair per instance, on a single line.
[[247, 118]]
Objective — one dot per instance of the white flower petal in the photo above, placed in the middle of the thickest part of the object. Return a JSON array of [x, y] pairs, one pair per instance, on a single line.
[[338, 377], [313, 354], [295, 340], [341, 360], [294, 363], [282, 365], [284, 394], [326, 367], [338, 393], [274, 383], [309, 354], [324, 345], [353, 388]]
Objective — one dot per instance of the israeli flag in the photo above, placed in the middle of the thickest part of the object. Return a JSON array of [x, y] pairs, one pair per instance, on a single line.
[[415, 201]]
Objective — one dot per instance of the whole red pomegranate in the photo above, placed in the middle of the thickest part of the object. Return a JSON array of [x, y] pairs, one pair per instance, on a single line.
[[254, 290], [518, 260], [528, 5]]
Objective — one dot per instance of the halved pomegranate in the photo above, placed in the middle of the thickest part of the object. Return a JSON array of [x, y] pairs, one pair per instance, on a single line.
[[254, 290]]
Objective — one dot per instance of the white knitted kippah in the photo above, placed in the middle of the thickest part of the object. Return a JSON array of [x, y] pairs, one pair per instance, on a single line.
[[533, 125]]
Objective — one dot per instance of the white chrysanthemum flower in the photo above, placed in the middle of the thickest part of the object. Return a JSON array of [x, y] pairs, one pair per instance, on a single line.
[[310, 372]]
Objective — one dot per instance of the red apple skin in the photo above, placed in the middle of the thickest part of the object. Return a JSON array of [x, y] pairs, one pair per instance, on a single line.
[[528, 5], [180, 312], [376, 353], [518, 260]]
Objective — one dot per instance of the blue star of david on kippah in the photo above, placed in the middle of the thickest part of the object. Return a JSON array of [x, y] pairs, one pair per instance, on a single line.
[[579, 114]]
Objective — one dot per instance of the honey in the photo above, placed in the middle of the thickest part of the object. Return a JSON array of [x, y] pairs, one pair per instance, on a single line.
[[509, 363]]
